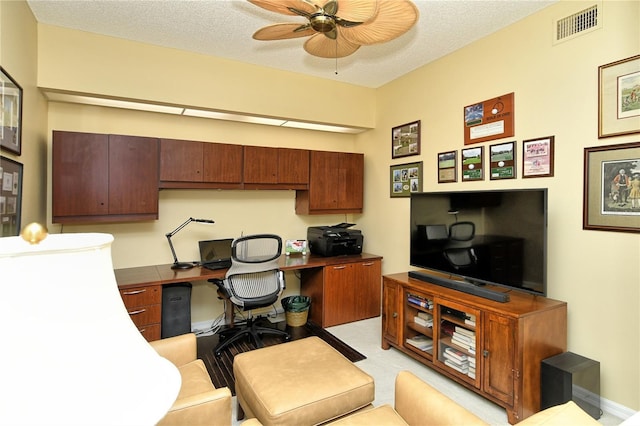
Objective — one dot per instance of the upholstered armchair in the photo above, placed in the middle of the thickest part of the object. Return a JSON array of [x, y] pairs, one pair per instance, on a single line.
[[199, 402]]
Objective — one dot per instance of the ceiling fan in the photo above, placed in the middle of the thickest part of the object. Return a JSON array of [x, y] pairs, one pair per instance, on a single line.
[[337, 28]]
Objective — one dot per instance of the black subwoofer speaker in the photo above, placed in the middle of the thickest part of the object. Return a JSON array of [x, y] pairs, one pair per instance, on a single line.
[[569, 376], [176, 309]]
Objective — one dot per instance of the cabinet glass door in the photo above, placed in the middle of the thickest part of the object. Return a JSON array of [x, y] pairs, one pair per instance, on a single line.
[[418, 319], [457, 340]]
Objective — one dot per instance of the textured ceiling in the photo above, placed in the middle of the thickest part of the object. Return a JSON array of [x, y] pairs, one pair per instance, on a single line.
[[223, 28]]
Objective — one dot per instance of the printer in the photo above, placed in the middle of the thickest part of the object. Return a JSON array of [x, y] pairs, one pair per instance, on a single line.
[[334, 240]]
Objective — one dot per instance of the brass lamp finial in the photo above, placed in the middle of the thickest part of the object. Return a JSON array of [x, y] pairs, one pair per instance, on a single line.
[[34, 232]]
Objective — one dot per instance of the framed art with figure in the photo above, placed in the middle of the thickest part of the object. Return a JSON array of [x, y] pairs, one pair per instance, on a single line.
[[619, 98], [612, 188]]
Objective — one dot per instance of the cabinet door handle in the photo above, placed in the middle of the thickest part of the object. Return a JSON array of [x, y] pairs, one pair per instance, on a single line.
[[335, 268], [137, 312], [485, 353], [131, 293], [395, 315], [368, 264]]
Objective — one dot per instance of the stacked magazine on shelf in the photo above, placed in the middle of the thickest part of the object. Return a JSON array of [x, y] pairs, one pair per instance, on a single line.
[[456, 360], [421, 342], [424, 319], [464, 338]]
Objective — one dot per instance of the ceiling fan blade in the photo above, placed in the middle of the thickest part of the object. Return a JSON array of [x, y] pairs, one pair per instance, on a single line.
[[357, 10], [394, 18], [324, 47], [283, 32], [331, 7], [285, 6]]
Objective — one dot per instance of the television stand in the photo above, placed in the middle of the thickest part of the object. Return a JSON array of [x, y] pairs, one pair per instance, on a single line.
[[465, 287], [491, 348]]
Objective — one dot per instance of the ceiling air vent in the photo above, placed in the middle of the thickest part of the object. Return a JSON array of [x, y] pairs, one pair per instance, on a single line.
[[577, 24]]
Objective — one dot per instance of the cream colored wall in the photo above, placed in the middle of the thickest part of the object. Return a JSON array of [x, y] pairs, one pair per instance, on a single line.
[[555, 87], [18, 56], [84, 62]]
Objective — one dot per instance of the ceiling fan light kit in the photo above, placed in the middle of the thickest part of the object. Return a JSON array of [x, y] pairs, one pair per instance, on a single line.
[[338, 28]]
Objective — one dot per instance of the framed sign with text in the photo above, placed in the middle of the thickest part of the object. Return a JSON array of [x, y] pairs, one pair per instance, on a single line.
[[489, 120]]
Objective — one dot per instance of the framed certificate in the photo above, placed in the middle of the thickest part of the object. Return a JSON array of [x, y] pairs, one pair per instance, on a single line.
[[489, 120]]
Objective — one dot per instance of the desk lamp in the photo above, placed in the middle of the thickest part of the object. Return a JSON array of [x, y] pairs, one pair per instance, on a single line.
[[72, 355], [176, 264]]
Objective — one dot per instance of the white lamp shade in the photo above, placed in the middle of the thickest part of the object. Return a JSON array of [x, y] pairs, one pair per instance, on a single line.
[[70, 353]]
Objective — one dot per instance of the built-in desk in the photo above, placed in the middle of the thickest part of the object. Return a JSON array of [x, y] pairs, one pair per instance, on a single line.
[[342, 288]]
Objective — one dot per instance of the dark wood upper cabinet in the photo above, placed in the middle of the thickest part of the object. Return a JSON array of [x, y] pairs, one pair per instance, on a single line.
[[116, 178], [104, 178], [222, 163], [275, 168], [336, 184], [189, 164], [293, 166]]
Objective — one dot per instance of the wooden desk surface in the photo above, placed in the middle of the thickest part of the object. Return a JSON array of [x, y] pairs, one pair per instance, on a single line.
[[163, 274]]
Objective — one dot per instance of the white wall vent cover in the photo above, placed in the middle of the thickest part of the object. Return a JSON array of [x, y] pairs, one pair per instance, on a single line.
[[578, 24]]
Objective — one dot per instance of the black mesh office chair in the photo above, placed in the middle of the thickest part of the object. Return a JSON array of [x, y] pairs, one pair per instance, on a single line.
[[254, 280], [459, 252]]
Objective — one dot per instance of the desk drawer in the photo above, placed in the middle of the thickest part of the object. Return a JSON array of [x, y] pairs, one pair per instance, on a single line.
[[141, 296], [145, 315], [150, 332]]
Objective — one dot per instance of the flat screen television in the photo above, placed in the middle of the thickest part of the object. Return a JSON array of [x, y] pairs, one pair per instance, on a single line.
[[496, 237]]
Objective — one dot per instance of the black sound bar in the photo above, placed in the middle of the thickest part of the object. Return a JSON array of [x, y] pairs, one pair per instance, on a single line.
[[461, 286]]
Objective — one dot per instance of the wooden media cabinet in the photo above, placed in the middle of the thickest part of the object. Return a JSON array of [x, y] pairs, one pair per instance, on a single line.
[[492, 348]]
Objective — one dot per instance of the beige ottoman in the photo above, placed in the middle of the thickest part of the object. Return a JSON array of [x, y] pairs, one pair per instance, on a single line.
[[304, 382]]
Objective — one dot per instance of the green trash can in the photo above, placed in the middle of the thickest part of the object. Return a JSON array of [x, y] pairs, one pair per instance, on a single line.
[[296, 310]]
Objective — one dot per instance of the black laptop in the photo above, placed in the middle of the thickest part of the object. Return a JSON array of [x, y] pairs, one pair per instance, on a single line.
[[215, 254]]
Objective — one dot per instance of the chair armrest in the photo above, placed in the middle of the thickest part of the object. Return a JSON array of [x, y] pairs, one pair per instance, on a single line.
[[180, 350], [420, 404], [568, 413], [206, 408]]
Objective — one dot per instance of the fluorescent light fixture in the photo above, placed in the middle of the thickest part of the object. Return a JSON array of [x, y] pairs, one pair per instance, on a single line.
[[233, 117], [194, 112], [321, 127], [113, 103]]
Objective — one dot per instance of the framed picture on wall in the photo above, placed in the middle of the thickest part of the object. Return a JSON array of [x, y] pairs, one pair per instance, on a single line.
[[502, 161], [472, 164], [10, 197], [489, 120], [612, 188], [619, 98], [405, 140], [10, 113], [447, 167], [405, 179], [537, 157]]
